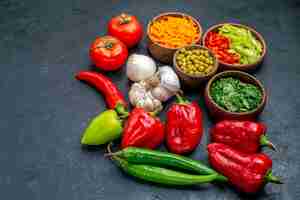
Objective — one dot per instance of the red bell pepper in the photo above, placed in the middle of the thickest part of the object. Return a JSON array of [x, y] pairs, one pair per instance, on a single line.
[[246, 172], [184, 126], [245, 136], [113, 96], [142, 130]]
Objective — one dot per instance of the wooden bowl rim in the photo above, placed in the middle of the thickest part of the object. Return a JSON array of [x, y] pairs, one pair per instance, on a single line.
[[230, 72], [257, 35], [181, 14], [212, 72]]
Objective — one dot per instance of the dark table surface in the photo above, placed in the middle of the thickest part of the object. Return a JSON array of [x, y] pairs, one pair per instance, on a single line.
[[44, 109]]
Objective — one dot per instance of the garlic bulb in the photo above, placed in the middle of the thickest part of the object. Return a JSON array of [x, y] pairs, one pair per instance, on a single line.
[[169, 84], [151, 87], [140, 67], [140, 97]]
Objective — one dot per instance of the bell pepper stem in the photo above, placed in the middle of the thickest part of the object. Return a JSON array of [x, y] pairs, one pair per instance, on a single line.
[[154, 113], [181, 99], [270, 178], [265, 142], [121, 110]]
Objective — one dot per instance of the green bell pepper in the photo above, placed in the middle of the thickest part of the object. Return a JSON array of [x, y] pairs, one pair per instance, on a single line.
[[104, 128]]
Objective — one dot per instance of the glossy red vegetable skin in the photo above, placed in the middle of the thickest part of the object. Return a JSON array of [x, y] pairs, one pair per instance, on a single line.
[[246, 172], [244, 136], [184, 127], [142, 130], [220, 46], [126, 28], [108, 53], [108, 89]]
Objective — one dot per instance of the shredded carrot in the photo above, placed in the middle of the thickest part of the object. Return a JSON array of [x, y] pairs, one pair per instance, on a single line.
[[174, 31]]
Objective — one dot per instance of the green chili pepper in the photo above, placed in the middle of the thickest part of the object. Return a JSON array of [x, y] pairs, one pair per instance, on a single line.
[[136, 155], [161, 175], [104, 128]]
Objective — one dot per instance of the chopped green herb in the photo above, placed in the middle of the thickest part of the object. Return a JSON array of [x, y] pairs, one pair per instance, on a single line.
[[234, 95]]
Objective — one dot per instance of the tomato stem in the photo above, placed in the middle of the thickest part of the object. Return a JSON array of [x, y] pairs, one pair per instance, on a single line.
[[107, 45], [125, 19]]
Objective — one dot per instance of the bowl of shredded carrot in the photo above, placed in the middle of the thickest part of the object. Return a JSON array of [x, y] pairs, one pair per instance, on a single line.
[[171, 31]]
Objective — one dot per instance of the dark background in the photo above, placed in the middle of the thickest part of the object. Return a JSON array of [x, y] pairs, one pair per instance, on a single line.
[[44, 109]]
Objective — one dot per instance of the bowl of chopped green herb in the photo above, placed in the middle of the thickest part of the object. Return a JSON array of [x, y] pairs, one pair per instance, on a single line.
[[234, 95]]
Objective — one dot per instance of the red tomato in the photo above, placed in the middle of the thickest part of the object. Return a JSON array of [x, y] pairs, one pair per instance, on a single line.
[[126, 28], [108, 53]]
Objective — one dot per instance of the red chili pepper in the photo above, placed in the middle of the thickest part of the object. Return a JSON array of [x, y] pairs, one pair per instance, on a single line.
[[244, 136], [184, 126], [142, 130], [248, 173], [112, 94]]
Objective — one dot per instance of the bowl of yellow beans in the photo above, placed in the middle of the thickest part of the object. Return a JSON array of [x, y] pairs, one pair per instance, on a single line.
[[195, 64]]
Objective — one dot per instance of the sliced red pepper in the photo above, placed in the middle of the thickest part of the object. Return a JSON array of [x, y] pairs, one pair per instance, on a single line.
[[220, 45]]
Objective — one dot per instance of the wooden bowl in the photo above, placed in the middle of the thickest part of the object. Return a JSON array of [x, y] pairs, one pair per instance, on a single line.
[[162, 53], [242, 67], [219, 113], [194, 81]]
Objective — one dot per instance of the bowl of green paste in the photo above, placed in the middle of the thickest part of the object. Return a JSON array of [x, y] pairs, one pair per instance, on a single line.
[[235, 95]]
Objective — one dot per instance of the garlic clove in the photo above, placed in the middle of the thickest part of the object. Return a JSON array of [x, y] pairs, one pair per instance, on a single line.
[[161, 93], [169, 79], [148, 103], [136, 92], [157, 105]]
